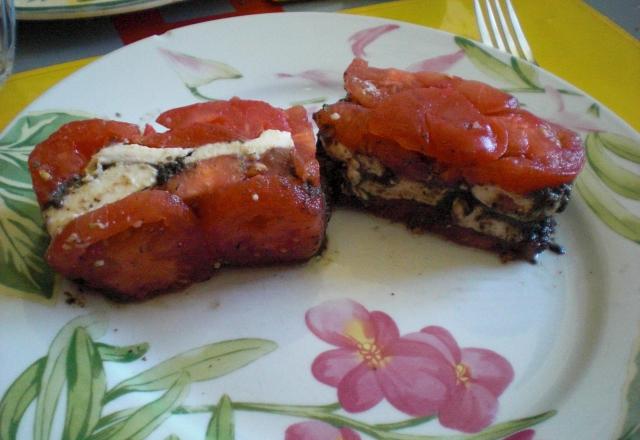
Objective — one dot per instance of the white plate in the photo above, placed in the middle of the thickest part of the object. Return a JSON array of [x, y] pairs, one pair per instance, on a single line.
[[568, 326], [67, 9]]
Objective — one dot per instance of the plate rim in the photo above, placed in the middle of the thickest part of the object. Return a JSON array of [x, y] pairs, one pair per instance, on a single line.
[[491, 50], [488, 48], [79, 11]]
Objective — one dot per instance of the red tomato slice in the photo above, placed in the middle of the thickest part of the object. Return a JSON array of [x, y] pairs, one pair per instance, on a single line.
[[195, 135], [350, 123], [68, 151], [304, 154], [154, 240], [440, 123], [540, 154], [263, 219], [369, 86], [487, 99], [348, 120], [144, 243], [473, 130], [244, 118], [207, 175]]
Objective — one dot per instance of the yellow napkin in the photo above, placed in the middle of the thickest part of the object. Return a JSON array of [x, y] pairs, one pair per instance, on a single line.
[[22, 88], [568, 38]]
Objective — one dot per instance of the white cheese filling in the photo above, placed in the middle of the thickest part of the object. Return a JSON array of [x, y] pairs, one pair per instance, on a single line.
[[518, 206], [400, 189], [478, 220], [120, 170], [405, 189]]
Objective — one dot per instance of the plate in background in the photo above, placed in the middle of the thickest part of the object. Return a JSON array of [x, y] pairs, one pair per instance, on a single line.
[[68, 9]]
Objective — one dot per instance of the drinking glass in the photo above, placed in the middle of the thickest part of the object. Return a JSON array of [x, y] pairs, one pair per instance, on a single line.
[[7, 38]]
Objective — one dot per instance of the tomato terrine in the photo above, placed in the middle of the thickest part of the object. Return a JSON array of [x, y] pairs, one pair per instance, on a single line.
[[137, 213], [444, 154]]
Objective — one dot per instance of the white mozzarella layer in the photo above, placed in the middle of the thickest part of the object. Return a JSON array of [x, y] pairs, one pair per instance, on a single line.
[[120, 170]]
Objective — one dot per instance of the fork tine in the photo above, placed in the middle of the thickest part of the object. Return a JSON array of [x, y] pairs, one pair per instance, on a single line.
[[495, 30], [513, 48], [522, 40], [482, 25]]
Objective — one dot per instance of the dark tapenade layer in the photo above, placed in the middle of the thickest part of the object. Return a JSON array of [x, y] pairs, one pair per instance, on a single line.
[[516, 227]]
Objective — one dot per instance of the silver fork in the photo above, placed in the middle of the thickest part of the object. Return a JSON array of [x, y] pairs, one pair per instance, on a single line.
[[505, 32]]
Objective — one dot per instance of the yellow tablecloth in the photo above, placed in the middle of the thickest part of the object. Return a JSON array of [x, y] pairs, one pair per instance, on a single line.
[[568, 38]]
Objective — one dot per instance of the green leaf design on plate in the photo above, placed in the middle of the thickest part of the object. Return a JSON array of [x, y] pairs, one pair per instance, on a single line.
[[54, 374], [74, 356], [172, 437], [145, 420], [22, 245], [631, 427], [221, 423], [110, 421], [594, 109], [18, 397], [610, 211], [22, 238], [621, 145], [202, 363], [526, 72], [195, 72], [86, 386], [128, 353], [34, 128], [394, 426], [616, 177], [502, 430], [492, 66]]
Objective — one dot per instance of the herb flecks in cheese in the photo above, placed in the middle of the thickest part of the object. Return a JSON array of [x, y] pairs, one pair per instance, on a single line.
[[120, 170], [97, 190]]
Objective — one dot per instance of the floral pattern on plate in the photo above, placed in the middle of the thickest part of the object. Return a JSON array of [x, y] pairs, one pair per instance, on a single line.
[[196, 72], [109, 391], [423, 374], [621, 180], [22, 238]]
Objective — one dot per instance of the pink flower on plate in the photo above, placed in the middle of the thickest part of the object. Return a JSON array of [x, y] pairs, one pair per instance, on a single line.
[[324, 78], [562, 116], [527, 434], [315, 430], [440, 63], [481, 376], [373, 362], [361, 39], [195, 72]]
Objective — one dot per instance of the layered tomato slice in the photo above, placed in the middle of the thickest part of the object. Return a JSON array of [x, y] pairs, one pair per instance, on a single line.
[[449, 155], [472, 130], [133, 214]]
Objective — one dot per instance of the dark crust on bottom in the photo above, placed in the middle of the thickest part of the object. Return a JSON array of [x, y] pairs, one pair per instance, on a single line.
[[419, 217], [179, 286], [422, 218], [122, 298]]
